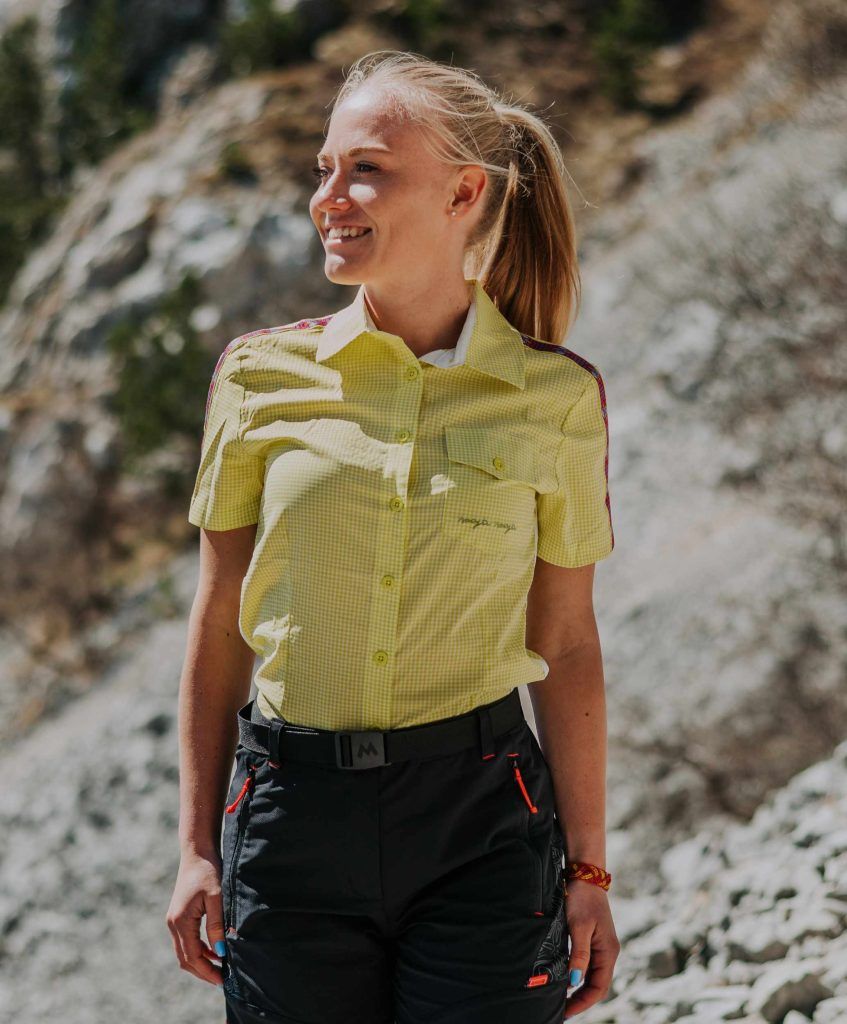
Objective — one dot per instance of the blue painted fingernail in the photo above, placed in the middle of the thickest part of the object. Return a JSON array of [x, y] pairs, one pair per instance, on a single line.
[[220, 947], [576, 974]]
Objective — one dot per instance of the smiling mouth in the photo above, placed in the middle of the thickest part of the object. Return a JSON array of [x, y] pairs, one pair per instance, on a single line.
[[347, 239]]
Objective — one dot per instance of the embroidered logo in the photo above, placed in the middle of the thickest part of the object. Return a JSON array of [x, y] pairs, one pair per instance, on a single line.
[[482, 521]]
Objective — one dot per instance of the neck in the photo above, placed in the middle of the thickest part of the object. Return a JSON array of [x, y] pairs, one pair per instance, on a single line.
[[426, 318]]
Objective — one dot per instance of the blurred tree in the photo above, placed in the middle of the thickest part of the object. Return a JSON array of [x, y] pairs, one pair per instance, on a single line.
[[26, 200], [161, 369], [623, 32], [97, 110], [263, 36]]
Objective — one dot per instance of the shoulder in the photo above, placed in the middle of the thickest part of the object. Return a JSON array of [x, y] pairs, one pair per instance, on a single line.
[[565, 370], [304, 324], [253, 341], [247, 350], [574, 363]]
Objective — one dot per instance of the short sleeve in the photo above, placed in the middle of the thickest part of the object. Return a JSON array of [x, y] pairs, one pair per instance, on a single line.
[[575, 520], [228, 488]]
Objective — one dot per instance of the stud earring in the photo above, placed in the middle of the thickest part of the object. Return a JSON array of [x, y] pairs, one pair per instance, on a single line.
[[453, 213]]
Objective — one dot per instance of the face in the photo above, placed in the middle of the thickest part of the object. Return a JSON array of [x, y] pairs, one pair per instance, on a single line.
[[373, 171]]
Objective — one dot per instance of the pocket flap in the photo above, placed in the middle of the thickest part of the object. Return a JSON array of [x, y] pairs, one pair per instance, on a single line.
[[503, 453]]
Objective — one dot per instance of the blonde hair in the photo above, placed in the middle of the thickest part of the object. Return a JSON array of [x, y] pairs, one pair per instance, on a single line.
[[523, 248]]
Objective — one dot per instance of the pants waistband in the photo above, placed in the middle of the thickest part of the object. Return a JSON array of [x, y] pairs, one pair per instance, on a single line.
[[281, 740]]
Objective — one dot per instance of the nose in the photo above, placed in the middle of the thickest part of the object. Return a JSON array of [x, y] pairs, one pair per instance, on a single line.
[[324, 199], [329, 202]]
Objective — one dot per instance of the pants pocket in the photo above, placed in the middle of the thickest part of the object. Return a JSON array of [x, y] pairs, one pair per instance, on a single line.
[[538, 829], [236, 816], [532, 789], [551, 960]]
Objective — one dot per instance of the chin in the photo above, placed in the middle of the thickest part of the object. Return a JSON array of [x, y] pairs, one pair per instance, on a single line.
[[339, 273]]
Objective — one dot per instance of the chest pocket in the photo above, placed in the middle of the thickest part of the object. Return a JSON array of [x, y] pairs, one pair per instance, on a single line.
[[493, 476]]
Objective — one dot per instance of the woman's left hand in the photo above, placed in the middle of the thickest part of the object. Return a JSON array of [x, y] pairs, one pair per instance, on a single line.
[[594, 944]]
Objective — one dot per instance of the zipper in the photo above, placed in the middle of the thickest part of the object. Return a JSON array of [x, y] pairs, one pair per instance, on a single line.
[[248, 784], [239, 837], [519, 779], [528, 838]]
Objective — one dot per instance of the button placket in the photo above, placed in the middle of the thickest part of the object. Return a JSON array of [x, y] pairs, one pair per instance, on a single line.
[[391, 549]]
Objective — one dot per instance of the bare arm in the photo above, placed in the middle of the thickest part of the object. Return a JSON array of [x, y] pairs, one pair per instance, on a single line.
[[570, 715], [570, 704], [215, 683]]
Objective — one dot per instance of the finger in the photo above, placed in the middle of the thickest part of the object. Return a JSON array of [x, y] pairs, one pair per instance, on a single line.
[[196, 962], [215, 932], [191, 947], [177, 929], [580, 954], [589, 993], [598, 981]]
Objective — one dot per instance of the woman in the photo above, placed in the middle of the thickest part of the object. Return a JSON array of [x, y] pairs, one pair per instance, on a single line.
[[393, 499]]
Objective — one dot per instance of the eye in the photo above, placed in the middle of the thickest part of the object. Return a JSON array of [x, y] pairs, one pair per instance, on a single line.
[[318, 171]]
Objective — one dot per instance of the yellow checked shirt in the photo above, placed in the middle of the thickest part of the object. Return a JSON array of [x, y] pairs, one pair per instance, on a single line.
[[400, 503]]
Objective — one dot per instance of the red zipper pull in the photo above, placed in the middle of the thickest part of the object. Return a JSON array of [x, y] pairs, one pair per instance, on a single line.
[[248, 782], [520, 782]]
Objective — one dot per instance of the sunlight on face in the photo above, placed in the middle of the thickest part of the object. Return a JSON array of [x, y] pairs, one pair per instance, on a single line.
[[390, 184]]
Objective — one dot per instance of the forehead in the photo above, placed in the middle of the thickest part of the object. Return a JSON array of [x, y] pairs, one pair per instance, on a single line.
[[366, 120]]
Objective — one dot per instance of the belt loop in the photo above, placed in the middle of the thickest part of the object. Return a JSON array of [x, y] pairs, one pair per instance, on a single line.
[[274, 729], [486, 733]]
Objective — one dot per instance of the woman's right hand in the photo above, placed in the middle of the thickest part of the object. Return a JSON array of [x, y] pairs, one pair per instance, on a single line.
[[197, 892]]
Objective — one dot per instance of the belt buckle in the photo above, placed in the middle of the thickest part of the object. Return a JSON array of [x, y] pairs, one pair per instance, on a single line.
[[366, 749]]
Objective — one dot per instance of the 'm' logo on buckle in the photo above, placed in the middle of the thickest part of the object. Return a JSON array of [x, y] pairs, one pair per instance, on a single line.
[[360, 749]]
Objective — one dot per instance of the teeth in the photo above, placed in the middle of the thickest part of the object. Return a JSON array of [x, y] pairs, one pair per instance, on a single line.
[[347, 232]]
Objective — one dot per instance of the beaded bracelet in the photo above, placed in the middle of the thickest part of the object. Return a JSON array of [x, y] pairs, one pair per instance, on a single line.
[[588, 873]]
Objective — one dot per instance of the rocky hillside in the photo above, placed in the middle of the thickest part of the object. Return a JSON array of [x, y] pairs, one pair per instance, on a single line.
[[713, 265], [742, 922], [750, 923]]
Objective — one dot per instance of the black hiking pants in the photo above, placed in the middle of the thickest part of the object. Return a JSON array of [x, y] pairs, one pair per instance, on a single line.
[[425, 890]]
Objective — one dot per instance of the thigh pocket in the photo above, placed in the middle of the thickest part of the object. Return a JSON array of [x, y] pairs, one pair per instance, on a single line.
[[493, 477]]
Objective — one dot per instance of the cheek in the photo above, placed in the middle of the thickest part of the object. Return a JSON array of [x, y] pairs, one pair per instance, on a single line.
[[411, 221], [421, 231]]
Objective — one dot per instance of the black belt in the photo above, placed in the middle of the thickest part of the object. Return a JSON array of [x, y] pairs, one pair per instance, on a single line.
[[280, 740]]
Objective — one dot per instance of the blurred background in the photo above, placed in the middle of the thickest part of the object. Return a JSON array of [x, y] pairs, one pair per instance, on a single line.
[[154, 183]]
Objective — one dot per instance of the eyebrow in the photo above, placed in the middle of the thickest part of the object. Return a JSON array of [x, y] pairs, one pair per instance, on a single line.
[[358, 149]]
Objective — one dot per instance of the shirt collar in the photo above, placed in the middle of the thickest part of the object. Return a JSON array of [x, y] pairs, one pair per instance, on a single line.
[[494, 346], [444, 356]]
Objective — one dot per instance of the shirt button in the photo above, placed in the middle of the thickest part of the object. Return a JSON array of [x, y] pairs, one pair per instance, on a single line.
[[498, 462], [388, 581], [380, 657], [396, 503], [403, 435], [412, 372]]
